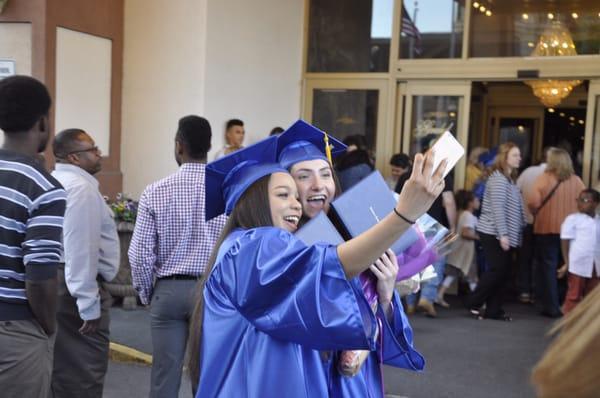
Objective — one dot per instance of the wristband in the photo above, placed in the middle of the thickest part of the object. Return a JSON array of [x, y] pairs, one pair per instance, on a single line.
[[402, 217]]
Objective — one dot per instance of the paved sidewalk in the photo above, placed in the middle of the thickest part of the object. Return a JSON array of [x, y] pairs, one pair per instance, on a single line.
[[465, 358], [131, 328]]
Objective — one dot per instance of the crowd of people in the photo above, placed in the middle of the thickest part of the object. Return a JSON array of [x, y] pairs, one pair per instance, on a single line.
[[215, 258]]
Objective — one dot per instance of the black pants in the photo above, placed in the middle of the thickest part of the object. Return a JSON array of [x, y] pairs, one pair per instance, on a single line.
[[490, 289], [80, 361], [526, 262]]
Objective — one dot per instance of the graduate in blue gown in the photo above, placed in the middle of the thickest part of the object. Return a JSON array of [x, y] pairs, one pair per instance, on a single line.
[[301, 150], [269, 304]]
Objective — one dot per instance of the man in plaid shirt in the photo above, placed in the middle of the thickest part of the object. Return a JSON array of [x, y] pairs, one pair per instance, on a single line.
[[169, 251]]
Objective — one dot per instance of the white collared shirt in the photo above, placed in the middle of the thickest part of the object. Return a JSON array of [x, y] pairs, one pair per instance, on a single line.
[[584, 249], [91, 242]]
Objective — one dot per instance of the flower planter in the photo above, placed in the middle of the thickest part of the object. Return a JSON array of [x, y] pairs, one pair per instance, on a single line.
[[122, 285]]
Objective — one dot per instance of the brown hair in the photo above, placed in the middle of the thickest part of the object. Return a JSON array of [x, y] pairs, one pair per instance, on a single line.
[[251, 211], [559, 163], [463, 198], [569, 367], [500, 163]]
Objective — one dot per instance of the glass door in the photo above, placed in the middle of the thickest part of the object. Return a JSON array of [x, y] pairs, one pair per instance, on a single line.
[[430, 108], [351, 107], [591, 149], [519, 125]]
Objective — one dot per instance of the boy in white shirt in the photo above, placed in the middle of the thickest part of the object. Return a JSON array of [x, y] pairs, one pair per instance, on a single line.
[[580, 243]]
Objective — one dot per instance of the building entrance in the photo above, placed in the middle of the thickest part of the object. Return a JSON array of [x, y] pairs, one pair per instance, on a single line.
[[489, 113], [508, 111]]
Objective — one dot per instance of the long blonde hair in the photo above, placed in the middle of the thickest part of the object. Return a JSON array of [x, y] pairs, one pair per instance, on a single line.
[[560, 164], [501, 164], [570, 366]]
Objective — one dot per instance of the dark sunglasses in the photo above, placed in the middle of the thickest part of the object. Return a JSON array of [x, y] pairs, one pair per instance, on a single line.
[[94, 149]]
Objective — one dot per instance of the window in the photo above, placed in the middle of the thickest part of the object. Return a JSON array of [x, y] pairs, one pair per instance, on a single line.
[[349, 35], [431, 29], [512, 28]]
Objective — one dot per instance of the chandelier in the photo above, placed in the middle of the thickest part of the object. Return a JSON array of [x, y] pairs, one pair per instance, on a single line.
[[555, 41]]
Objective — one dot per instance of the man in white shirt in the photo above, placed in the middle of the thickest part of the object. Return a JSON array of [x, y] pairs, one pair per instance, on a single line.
[[91, 255], [525, 183]]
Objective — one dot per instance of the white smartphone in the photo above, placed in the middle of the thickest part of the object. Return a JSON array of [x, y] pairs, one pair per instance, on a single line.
[[447, 147]]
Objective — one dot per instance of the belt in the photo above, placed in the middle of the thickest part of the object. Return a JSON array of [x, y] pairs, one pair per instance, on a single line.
[[181, 277]]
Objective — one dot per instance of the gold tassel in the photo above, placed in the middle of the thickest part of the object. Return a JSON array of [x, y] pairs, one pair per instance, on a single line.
[[328, 148]]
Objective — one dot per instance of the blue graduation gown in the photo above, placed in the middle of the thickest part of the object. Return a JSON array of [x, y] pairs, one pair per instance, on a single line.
[[395, 348], [270, 305]]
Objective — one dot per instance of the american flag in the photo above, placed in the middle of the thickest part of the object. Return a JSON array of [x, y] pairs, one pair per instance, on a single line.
[[409, 29]]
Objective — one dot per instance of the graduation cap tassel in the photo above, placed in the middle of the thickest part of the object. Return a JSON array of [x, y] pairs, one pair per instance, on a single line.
[[328, 149]]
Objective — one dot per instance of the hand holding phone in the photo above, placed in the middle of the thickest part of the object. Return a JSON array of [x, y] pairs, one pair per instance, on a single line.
[[447, 147]]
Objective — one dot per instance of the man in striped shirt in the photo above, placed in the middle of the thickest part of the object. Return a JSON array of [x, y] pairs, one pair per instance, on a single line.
[[32, 206]]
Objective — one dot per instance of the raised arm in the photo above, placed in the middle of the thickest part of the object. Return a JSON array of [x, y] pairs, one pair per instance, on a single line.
[[418, 193]]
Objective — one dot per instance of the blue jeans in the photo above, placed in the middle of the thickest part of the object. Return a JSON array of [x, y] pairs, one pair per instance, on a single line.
[[547, 255], [429, 289]]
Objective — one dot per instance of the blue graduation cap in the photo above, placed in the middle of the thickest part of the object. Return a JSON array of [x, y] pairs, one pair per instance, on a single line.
[[303, 141], [227, 178]]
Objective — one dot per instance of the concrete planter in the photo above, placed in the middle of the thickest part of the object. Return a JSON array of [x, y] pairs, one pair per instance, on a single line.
[[122, 285]]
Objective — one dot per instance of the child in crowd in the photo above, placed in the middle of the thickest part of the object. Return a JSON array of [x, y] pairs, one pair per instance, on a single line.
[[580, 243], [461, 262]]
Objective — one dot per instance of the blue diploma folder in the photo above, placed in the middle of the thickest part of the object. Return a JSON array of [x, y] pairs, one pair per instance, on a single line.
[[367, 202], [319, 230]]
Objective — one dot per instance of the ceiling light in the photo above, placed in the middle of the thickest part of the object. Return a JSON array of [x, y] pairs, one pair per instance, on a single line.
[[581, 121], [575, 15], [572, 118], [551, 110], [476, 5], [562, 114], [551, 44], [488, 13], [550, 15], [482, 8], [525, 16]]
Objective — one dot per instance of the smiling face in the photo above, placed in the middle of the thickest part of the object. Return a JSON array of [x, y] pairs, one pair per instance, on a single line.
[[283, 201], [316, 187]]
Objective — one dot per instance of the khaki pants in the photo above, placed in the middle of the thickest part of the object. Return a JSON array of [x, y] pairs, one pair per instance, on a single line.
[[25, 359]]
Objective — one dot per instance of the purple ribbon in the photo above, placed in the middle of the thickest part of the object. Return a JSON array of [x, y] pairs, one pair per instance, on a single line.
[[410, 262]]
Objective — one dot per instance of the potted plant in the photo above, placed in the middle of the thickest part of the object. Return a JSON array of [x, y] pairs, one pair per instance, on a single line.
[[124, 212]]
